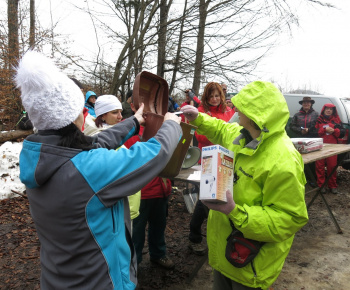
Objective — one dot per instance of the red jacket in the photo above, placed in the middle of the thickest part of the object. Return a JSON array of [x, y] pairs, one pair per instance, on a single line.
[[157, 188], [332, 121], [85, 113], [217, 113]]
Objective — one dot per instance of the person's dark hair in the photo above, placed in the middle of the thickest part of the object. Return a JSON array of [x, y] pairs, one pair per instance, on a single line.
[[79, 84], [72, 137], [98, 121], [129, 94], [256, 127]]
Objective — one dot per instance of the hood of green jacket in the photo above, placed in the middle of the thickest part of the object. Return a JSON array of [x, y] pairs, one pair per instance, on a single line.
[[268, 113], [268, 190]]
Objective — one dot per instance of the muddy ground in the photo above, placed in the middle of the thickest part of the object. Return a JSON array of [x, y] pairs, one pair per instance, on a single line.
[[319, 258]]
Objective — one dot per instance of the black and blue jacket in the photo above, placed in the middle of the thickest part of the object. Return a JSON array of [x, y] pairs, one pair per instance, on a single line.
[[79, 206]]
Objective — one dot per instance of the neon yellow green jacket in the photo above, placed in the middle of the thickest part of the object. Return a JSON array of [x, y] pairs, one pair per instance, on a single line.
[[270, 187], [134, 204], [134, 201]]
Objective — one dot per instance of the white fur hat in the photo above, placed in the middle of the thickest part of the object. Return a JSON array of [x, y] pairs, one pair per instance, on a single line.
[[51, 99], [105, 104]]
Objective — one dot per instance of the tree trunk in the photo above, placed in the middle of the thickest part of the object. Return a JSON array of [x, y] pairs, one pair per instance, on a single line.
[[200, 45], [119, 77], [178, 52], [116, 82], [32, 24], [13, 135], [12, 22], [162, 31], [139, 56]]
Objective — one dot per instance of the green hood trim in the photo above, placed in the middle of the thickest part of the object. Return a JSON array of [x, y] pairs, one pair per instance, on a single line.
[[270, 114]]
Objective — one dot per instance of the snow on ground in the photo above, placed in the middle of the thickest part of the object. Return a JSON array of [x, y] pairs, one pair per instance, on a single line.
[[9, 169]]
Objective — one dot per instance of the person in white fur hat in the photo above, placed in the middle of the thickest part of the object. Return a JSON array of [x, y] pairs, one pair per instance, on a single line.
[[77, 189]]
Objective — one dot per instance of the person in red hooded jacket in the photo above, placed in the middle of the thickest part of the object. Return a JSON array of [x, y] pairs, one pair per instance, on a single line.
[[213, 103], [330, 128], [153, 211]]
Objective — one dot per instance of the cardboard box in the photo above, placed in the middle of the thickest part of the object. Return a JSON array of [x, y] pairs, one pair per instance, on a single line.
[[306, 145], [216, 173]]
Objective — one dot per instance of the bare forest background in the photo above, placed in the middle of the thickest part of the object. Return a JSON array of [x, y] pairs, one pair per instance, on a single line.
[[187, 42]]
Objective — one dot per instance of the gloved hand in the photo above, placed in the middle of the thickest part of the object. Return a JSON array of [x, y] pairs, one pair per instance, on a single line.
[[190, 112], [225, 208], [191, 94]]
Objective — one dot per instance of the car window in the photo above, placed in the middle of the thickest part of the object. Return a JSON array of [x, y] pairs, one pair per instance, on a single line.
[[346, 103], [320, 102], [294, 106]]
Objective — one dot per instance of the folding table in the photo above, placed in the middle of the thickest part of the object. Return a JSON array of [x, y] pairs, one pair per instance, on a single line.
[[192, 175], [327, 151]]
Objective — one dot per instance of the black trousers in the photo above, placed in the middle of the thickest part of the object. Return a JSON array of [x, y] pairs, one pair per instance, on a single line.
[[221, 282], [199, 215]]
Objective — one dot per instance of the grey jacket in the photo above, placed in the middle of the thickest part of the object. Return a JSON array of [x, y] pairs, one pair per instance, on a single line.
[[79, 206]]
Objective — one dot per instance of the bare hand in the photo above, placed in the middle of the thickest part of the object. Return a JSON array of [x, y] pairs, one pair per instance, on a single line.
[[304, 131], [329, 130], [139, 113], [225, 208], [190, 112], [172, 116]]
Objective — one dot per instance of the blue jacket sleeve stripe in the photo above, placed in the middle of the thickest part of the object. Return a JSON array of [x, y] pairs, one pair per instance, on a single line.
[[130, 134], [114, 165], [30, 155]]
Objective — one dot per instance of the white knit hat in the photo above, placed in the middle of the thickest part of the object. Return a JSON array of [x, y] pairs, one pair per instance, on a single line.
[[51, 99], [105, 104]]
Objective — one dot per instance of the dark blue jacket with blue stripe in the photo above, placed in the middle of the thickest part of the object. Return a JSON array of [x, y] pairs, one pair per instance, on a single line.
[[79, 205]]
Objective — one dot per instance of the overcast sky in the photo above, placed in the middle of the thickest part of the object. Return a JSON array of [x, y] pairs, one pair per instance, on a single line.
[[318, 55]]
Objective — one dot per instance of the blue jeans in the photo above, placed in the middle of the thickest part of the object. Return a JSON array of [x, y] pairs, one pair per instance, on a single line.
[[154, 212]]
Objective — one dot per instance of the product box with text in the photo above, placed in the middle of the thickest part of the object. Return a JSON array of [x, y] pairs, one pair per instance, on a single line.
[[306, 145], [216, 173]]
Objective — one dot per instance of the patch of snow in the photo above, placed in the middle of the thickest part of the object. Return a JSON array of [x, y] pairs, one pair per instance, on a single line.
[[9, 169]]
